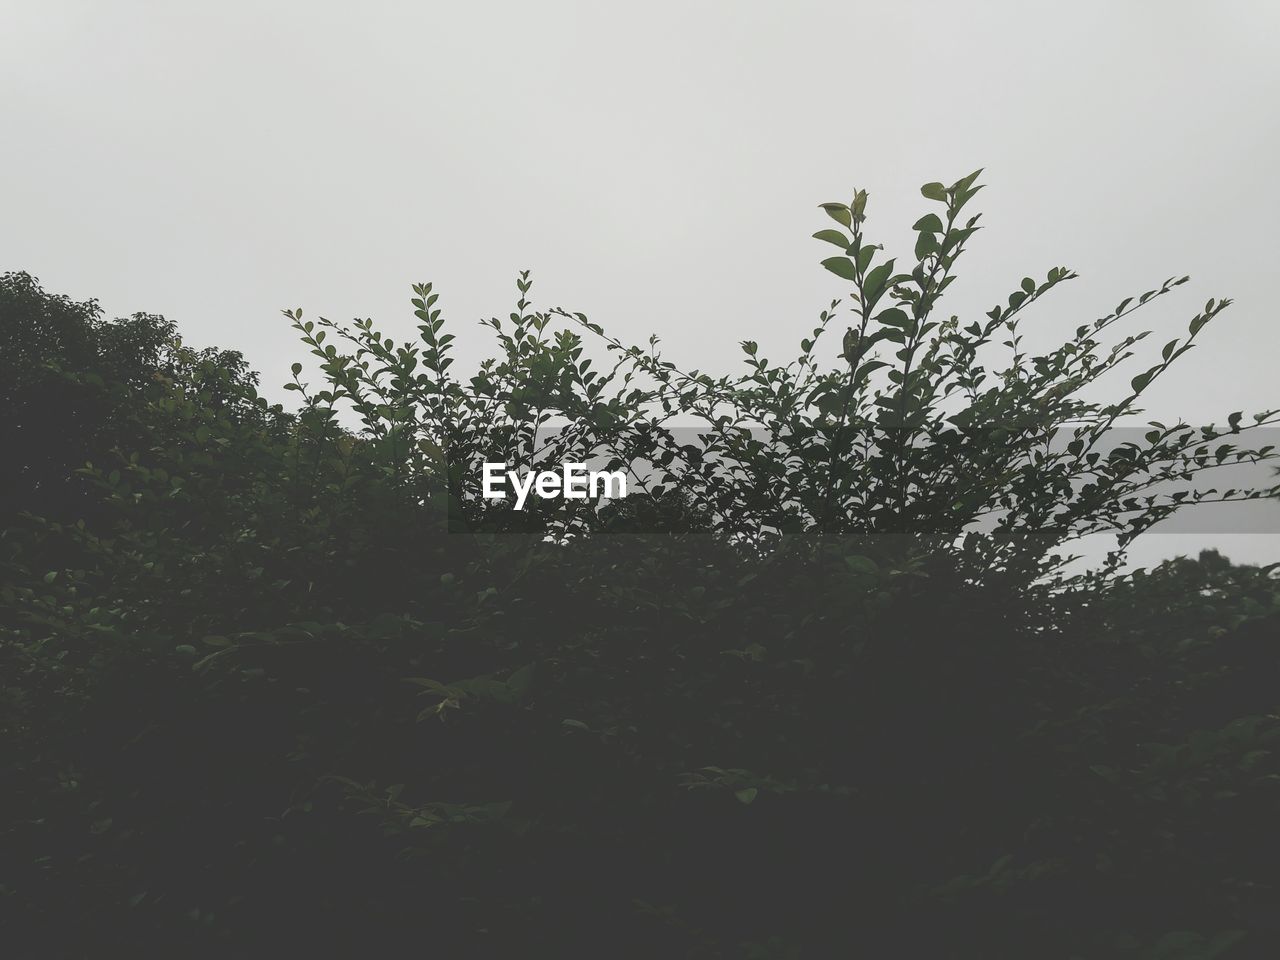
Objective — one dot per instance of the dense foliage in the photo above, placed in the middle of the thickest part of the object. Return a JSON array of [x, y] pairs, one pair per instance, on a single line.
[[284, 683]]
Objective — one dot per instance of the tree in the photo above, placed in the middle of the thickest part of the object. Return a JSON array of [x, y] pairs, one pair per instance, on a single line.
[[71, 383]]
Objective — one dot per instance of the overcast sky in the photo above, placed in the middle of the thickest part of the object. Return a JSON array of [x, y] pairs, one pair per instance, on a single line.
[[657, 165]]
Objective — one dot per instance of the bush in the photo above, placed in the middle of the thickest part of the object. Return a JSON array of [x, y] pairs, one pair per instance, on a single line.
[[289, 683]]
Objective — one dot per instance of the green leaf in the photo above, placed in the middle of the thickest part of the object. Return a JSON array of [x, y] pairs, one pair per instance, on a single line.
[[934, 191], [1105, 772], [966, 182], [1140, 382], [859, 564], [877, 279], [842, 267], [868, 368], [839, 212], [833, 236], [746, 794], [926, 244], [929, 223], [893, 317], [518, 683]]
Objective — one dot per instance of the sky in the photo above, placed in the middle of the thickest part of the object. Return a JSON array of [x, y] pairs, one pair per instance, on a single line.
[[657, 166]]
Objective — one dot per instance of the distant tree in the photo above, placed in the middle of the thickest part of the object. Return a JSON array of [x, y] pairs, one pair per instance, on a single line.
[[54, 419], [72, 382]]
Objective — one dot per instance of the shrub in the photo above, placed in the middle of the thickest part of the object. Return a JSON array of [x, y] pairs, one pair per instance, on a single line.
[[833, 693]]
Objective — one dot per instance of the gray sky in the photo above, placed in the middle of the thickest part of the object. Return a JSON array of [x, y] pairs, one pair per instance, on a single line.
[[656, 165]]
